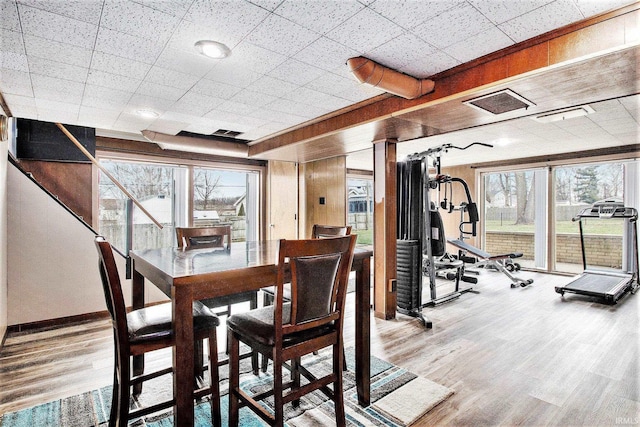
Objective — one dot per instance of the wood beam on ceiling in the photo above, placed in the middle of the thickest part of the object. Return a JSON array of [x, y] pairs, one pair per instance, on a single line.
[[566, 62]]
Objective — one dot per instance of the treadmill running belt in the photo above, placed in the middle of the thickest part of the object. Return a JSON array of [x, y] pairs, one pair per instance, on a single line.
[[597, 283]]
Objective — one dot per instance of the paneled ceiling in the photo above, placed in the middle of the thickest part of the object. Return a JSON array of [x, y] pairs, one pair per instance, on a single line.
[[97, 63]]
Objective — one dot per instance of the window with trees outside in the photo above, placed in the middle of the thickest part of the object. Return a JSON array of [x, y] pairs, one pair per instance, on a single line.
[[516, 217], [216, 196]]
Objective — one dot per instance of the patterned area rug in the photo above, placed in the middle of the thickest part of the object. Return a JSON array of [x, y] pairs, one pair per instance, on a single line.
[[398, 398]]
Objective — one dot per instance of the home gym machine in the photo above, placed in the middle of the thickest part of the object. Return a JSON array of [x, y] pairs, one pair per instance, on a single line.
[[421, 246], [611, 284]]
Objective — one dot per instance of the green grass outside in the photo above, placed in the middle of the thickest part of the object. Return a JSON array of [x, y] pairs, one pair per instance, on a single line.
[[365, 237], [613, 227]]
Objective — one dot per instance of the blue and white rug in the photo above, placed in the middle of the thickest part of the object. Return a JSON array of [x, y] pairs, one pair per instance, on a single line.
[[398, 398]]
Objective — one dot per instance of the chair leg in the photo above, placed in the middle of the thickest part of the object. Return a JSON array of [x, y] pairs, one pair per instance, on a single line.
[[124, 385], [277, 390], [234, 379], [115, 394], [295, 378], [215, 381], [337, 385]]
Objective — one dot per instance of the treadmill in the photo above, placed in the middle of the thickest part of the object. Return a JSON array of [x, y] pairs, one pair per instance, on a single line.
[[608, 285]]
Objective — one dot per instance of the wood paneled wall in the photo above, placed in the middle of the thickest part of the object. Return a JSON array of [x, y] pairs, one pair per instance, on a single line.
[[70, 182], [323, 179]]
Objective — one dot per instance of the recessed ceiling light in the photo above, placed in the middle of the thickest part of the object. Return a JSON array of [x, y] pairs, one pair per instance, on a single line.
[[212, 49], [148, 114]]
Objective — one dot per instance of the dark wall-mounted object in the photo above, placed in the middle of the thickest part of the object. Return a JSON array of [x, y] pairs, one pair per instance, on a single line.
[[45, 141]]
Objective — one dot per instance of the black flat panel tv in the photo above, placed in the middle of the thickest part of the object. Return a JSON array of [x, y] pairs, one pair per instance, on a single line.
[[45, 141]]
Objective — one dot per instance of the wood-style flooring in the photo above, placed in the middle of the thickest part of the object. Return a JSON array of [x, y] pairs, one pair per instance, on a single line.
[[522, 356]]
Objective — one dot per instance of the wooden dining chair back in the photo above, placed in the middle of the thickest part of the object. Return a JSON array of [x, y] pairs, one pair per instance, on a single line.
[[321, 231], [143, 330], [318, 272], [204, 237]]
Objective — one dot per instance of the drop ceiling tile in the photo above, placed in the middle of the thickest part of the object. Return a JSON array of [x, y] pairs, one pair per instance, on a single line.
[[160, 91], [112, 64], [10, 18], [254, 58], [58, 70], [101, 115], [128, 46], [541, 20], [42, 83], [137, 20], [429, 65], [56, 51], [230, 121], [194, 104], [499, 11], [113, 81], [140, 101], [296, 72], [82, 10], [132, 123], [232, 20], [19, 101], [326, 54], [56, 27], [11, 41], [57, 116], [24, 111], [13, 61], [411, 13], [271, 86], [173, 7], [356, 32], [314, 98], [188, 33], [215, 89], [171, 78], [113, 96], [440, 32], [230, 73], [269, 5], [296, 108], [593, 7], [57, 105], [480, 44], [279, 117], [254, 99], [330, 83], [280, 35], [188, 62], [326, 14], [404, 50]]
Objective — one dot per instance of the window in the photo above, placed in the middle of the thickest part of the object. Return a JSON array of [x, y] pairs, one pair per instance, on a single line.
[[176, 195], [226, 197], [576, 188], [360, 208], [153, 186], [517, 218]]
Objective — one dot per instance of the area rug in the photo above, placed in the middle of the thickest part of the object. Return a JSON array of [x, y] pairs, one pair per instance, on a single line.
[[398, 398]]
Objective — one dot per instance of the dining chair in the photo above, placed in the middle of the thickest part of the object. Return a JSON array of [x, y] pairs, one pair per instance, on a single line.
[[318, 273], [147, 329], [213, 237], [317, 232]]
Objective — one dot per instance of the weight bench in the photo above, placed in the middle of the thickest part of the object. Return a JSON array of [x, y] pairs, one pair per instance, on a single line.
[[502, 262]]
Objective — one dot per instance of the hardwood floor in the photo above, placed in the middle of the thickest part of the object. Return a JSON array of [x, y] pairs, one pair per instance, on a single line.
[[523, 356]]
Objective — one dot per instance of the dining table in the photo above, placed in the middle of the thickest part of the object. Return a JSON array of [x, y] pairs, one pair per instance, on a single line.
[[188, 275]]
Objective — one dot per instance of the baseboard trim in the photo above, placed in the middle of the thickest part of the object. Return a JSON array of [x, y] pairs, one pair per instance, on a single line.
[[43, 325]]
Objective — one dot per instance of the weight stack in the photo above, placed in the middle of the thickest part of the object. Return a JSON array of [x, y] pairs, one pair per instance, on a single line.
[[409, 277]]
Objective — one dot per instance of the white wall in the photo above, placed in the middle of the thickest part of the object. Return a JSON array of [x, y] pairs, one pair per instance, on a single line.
[[52, 260], [3, 238]]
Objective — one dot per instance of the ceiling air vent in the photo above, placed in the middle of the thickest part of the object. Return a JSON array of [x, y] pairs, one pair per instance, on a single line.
[[227, 133], [500, 102], [568, 113]]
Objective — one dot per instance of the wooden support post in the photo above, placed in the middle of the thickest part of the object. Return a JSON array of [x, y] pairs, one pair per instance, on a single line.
[[384, 228]]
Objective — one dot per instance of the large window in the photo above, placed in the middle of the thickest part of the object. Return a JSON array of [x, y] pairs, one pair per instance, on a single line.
[[175, 196], [517, 217], [576, 188], [153, 186]]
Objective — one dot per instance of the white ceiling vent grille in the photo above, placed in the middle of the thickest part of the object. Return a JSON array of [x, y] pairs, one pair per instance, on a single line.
[[565, 114], [500, 102]]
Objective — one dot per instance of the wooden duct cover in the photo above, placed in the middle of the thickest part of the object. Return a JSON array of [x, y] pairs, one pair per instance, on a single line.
[[395, 82]]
